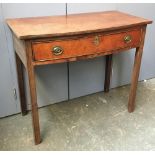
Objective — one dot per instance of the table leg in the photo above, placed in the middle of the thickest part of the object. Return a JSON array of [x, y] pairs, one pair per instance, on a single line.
[[34, 106], [20, 76], [134, 81], [33, 94], [135, 74], [108, 71]]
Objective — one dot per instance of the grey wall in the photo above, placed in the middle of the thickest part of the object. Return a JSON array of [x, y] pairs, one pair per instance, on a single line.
[[7, 102], [86, 76]]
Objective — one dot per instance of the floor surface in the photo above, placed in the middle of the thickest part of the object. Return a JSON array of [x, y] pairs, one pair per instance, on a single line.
[[95, 122]]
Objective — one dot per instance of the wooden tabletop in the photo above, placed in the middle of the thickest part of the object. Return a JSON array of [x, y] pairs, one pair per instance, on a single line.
[[39, 27]]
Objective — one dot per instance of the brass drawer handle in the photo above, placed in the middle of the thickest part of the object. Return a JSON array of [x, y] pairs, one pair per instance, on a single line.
[[96, 40], [127, 39], [57, 50]]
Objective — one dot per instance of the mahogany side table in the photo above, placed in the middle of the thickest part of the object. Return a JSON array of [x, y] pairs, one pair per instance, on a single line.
[[58, 39]]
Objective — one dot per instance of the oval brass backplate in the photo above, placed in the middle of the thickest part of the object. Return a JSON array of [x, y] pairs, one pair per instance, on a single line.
[[127, 39], [96, 40], [57, 50]]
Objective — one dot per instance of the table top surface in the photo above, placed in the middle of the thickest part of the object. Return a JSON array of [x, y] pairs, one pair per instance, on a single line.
[[51, 26]]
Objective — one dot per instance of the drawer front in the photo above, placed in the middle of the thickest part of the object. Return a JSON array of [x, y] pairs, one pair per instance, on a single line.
[[92, 44]]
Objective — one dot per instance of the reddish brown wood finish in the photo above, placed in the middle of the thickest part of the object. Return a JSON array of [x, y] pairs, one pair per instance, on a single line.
[[41, 27], [33, 94], [135, 74], [75, 34], [85, 45], [91, 56]]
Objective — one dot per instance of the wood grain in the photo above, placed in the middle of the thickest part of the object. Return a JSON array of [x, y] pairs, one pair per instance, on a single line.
[[91, 56], [40, 27], [75, 47]]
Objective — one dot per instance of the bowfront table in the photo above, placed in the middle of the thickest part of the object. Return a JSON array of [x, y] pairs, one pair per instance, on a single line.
[[58, 39]]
